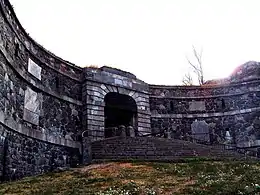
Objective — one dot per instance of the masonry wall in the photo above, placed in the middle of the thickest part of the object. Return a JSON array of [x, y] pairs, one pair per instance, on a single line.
[[97, 84], [40, 104], [234, 108], [47, 103], [24, 156]]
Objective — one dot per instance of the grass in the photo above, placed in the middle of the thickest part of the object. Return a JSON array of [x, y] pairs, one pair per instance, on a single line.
[[192, 177]]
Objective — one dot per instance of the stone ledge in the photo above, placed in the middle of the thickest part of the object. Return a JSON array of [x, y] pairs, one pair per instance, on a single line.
[[131, 89], [206, 115], [249, 144], [118, 72], [152, 86], [203, 97], [22, 74], [36, 134], [36, 44]]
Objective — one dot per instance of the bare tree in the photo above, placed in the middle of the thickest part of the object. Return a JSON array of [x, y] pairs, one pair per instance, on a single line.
[[187, 79], [196, 66]]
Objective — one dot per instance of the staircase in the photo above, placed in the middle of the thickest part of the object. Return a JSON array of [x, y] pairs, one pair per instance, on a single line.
[[157, 149]]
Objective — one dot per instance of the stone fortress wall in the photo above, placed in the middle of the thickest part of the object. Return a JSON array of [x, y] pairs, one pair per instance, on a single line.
[[221, 111], [218, 111], [40, 104], [48, 104]]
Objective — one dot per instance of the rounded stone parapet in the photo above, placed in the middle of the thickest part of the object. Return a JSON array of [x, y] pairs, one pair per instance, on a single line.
[[198, 92], [23, 74], [49, 59], [40, 93]]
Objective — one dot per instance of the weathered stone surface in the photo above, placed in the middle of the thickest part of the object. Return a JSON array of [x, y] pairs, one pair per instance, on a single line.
[[131, 131], [122, 130], [151, 148], [197, 106], [60, 118], [179, 92], [216, 104], [31, 101], [200, 130], [118, 72], [104, 82], [87, 151], [2, 156], [25, 156], [247, 71], [31, 117], [34, 69], [21, 104], [45, 99]]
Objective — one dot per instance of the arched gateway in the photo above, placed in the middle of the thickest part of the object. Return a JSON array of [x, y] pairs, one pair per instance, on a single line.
[[120, 110], [115, 101]]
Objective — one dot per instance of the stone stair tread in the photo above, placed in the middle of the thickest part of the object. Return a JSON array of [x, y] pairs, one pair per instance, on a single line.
[[154, 148]]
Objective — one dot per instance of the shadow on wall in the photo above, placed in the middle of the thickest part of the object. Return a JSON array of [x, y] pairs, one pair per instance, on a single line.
[[120, 112]]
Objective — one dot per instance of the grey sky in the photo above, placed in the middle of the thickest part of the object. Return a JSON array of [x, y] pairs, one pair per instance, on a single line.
[[149, 38]]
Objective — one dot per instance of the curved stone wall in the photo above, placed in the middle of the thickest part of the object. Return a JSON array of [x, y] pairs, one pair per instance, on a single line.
[[45, 96], [47, 104], [177, 100], [216, 109], [40, 104], [23, 156]]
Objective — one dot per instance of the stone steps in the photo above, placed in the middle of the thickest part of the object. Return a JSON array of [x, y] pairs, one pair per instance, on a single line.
[[154, 148]]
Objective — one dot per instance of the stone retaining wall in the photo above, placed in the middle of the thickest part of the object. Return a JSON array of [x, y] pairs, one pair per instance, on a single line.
[[47, 103], [233, 108], [24, 156], [175, 105], [40, 104]]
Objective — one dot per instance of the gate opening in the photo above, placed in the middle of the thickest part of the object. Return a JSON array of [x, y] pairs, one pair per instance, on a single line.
[[119, 110]]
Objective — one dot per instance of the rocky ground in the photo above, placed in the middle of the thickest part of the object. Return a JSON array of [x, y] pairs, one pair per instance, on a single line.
[[191, 177]]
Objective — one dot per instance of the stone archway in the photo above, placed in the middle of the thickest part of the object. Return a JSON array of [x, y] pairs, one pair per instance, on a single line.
[[94, 110], [119, 110]]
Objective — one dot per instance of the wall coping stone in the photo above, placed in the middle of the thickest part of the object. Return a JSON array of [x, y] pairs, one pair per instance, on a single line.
[[206, 115], [37, 84], [248, 144], [153, 86], [204, 97], [97, 81], [31, 39], [7, 3], [118, 72]]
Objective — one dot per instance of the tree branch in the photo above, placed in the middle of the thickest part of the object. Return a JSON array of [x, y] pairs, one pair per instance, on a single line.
[[197, 66]]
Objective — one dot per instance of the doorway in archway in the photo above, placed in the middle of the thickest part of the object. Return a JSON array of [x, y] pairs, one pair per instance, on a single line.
[[119, 110]]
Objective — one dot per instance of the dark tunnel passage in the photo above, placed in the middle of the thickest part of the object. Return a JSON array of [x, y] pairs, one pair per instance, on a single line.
[[119, 110]]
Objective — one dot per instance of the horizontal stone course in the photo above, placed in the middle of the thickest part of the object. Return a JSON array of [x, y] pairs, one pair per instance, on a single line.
[[45, 56], [25, 156], [144, 120], [39, 86], [206, 115], [142, 124]]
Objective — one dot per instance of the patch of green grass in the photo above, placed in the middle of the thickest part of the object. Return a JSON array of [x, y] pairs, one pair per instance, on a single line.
[[196, 176]]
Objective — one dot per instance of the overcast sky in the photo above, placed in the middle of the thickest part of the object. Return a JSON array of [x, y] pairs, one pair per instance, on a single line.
[[150, 38]]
